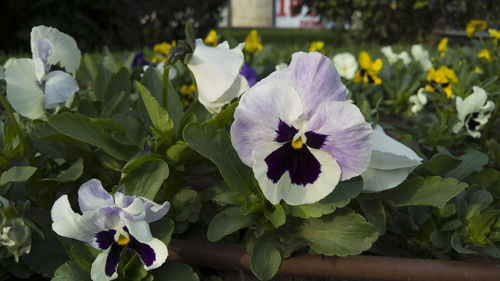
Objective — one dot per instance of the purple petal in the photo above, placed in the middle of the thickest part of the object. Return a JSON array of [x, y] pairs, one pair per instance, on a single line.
[[92, 195], [315, 140], [154, 211], [139, 60], [249, 74], [44, 48], [59, 87], [348, 136], [314, 77], [104, 239], [285, 132], [113, 259], [301, 165], [143, 250], [106, 218]]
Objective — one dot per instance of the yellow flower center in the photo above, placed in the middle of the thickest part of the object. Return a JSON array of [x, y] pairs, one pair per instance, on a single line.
[[123, 240], [297, 144]]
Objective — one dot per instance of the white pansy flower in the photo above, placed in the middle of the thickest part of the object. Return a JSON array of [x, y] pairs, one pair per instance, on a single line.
[[422, 56], [346, 65], [405, 57], [31, 85], [473, 112], [418, 101], [216, 71], [281, 66], [390, 164], [392, 57]]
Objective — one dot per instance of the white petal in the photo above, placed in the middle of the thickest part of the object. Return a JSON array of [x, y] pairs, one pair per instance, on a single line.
[[458, 126], [472, 103], [97, 272], [291, 193], [161, 253], [215, 69], [64, 51], [92, 195], [388, 153], [23, 90], [59, 87], [138, 229], [239, 86], [154, 211], [375, 180], [69, 224]]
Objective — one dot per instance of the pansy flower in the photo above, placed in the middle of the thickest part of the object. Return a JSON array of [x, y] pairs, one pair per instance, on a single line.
[[111, 225], [212, 38], [418, 101], [473, 26], [484, 54], [249, 73], [187, 92], [443, 77], [473, 112], [162, 50], [392, 57], [443, 46], [32, 84], [217, 74], [317, 46], [297, 132], [495, 35], [368, 72], [252, 42], [421, 56], [346, 65]]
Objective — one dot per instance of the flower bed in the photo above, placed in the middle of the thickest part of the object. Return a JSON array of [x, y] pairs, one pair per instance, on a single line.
[[105, 159]]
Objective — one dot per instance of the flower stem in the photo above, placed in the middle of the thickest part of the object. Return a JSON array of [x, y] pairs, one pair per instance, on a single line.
[[19, 132]]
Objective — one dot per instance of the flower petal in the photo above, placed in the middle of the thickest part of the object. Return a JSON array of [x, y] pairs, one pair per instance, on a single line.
[[239, 86], [104, 239], [138, 229], [375, 180], [295, 194], [215, 69], [105, 265], [259, 113], [69, 224], [64, 49], [154, 211], [59, 87], [153, 253], [348, 135], [472, 103], [92, 195], [23, 89], [315, 79]]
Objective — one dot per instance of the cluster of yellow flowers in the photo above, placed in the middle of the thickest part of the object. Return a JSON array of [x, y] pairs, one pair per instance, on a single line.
[[368, 72], [442, 77], [162, 50]]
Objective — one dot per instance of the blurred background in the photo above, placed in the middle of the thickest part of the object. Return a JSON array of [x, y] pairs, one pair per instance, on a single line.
[[131, 24]]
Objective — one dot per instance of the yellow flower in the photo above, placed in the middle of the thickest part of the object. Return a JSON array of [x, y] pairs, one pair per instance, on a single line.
[[479, 70], [317, 46], [495, 35], [212, 38], [187, 94], [162, 50], [442, 77], [485, 54], [443, 46], [252, 42], [473, 26], [368, 72]]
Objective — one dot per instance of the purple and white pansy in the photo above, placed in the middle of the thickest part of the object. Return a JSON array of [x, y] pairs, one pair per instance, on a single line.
[[297, 132], [32, 86], [111, 224]]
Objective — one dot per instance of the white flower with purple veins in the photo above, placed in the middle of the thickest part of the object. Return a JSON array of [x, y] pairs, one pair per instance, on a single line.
[[473, 112], [297, 132], [390, 164], [111, 225], [217, 74], [31, 85], [346, 65]]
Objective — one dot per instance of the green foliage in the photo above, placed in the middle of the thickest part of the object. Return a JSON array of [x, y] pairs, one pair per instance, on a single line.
[[266, 258]]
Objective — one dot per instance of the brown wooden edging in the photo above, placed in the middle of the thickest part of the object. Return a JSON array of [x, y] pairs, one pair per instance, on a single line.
[[227, 256]]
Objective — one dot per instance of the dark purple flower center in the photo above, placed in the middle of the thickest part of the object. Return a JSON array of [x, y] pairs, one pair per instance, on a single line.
[[294, 156]]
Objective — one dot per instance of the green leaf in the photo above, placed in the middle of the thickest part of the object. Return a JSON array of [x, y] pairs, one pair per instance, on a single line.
[[104, 72], [136, 162], [457, 242], [179, 151], [224, 117], [190, 38], [442, 163], [417, 191], [374, 212], [17, 174], [72, 173], [162, 229], [81, 128], [276, 216], [187, 205], [340, 197], [227, 222], [344, 233], [471, 162], [134, 269], [146, 180], [480, 200], [174, 271], [490, 180], [266, 258], [83, 254], [70, 271], [175, 107], [152, 80], [112, 105], [216, 145]]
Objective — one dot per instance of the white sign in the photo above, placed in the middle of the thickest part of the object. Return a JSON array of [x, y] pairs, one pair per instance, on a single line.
[[286, 18]]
